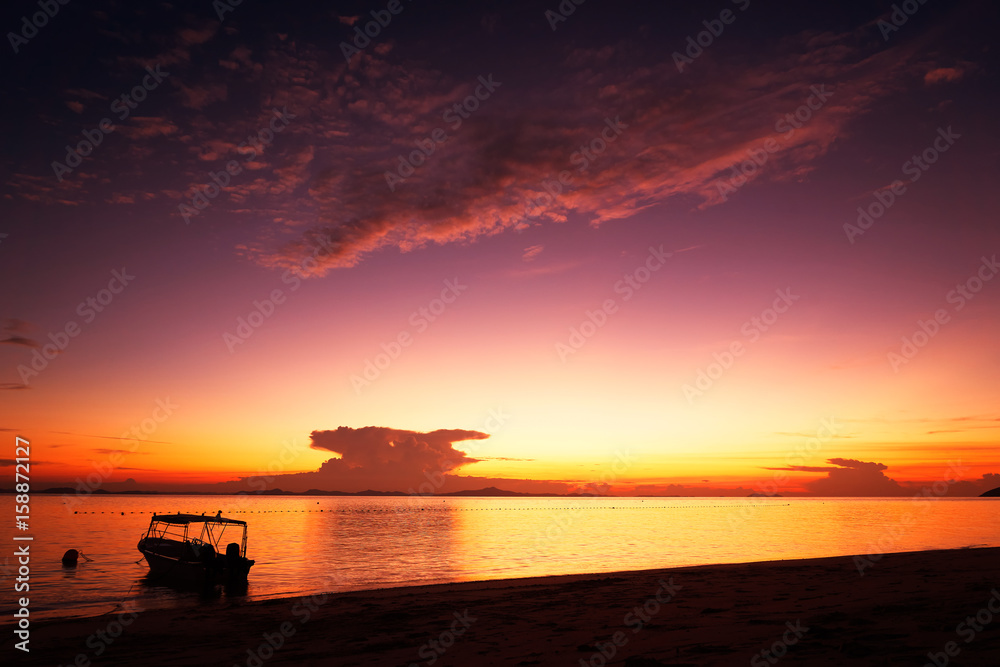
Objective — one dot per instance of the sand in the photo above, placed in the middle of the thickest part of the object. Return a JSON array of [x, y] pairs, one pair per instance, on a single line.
[[815, 612]]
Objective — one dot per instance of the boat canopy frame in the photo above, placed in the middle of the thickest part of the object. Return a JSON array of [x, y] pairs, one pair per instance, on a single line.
[[176, 527]]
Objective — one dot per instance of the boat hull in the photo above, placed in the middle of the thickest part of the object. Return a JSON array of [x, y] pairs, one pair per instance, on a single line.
[[179, 561]]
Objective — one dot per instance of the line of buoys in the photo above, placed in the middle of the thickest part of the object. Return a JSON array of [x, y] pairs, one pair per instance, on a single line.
[[397, 510]]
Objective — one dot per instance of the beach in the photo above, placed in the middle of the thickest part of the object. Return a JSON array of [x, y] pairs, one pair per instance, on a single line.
[[906, 608]]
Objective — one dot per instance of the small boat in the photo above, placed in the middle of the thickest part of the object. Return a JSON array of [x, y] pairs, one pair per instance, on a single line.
[[174, 550]]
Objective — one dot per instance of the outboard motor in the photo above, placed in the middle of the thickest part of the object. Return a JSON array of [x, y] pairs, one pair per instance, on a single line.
[[236, 570], [233, 559]]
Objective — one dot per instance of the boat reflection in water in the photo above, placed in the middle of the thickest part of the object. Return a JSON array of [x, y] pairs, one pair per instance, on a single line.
[[185, 549]]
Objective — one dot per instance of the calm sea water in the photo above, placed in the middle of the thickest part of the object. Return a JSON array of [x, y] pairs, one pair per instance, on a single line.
[[308, 545]]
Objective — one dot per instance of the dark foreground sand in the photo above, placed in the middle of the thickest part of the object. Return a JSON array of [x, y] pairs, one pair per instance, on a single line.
[[815, 612]]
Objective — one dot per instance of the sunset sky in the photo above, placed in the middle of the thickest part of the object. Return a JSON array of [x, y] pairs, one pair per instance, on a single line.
[[771, 256]]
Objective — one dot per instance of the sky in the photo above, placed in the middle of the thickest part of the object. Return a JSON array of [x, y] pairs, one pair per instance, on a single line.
[[628, 248]]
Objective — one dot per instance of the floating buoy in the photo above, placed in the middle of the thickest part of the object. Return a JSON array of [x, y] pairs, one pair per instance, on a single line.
[[70, 557]]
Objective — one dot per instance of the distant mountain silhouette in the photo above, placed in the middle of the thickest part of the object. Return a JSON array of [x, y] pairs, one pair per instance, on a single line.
[[317, 492], [765, 495], [492, 491], [63, 490], [992, 493]]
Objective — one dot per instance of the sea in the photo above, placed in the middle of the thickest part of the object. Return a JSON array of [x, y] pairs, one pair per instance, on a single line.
[[306, 545]]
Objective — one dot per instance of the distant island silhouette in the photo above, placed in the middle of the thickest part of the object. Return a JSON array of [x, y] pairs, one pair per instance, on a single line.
[[492, 492], [488, 492]]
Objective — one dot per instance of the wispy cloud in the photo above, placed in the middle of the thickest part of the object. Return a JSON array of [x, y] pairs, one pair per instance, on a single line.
[[531, 252], [13, 331], [322, 182], [107, 437], [943, 75]]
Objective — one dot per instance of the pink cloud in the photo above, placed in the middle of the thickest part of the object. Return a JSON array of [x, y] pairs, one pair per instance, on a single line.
[[198, 97], [146, 127], [942, 75], [531, 252], [661, 138]]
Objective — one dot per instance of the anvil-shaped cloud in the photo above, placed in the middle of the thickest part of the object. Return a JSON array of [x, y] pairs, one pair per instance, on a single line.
[[389, 459], [850, 477]]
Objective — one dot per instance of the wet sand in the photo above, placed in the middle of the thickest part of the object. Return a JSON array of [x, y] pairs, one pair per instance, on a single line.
[[815, 612]]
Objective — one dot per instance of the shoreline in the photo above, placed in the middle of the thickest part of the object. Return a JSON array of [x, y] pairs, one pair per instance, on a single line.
[[819, 611], [241, 600]]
